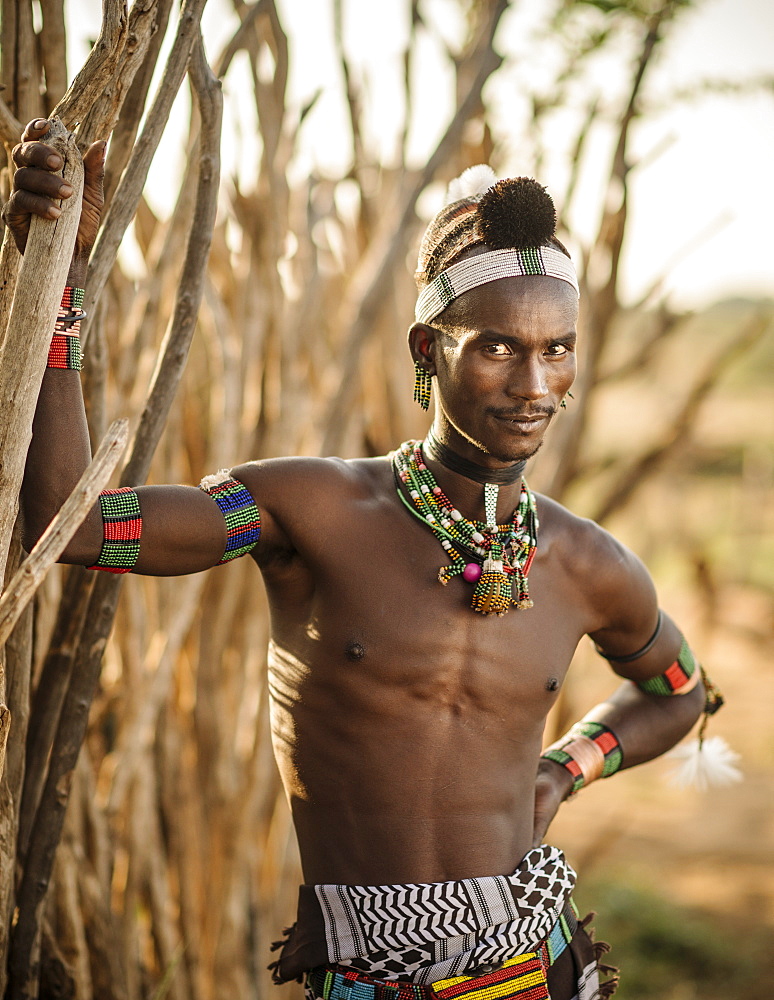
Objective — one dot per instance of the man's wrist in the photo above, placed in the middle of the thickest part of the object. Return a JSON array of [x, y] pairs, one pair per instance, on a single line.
[[557, 775], [79, 268], [588, 751]]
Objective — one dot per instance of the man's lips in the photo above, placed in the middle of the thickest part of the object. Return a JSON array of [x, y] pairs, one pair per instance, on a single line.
[[523, 418]]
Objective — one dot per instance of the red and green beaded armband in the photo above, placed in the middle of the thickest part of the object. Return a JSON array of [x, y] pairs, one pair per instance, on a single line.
[[588, 751], [121, 530], [242, 517], [680, 678], [65, 349]]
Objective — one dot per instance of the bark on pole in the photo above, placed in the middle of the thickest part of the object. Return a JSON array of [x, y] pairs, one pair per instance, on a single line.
[[38, 292]]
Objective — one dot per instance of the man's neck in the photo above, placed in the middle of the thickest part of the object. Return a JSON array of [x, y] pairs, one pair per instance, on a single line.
[[452, 472], [505, 476]]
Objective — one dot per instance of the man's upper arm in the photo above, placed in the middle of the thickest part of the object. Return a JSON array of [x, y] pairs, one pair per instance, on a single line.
[[625, 601], [174, 530]]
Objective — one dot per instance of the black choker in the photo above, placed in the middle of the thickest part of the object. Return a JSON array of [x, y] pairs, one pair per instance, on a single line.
[[471, 470]]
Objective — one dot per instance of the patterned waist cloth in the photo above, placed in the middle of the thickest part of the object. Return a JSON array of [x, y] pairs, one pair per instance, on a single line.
[[492, 937], [522, 976]]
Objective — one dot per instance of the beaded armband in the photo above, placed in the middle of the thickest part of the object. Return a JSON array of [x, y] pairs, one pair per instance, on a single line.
[[631, 657], [242, 517], [680, 678], [588, 751], [65, 349], [121, 530]]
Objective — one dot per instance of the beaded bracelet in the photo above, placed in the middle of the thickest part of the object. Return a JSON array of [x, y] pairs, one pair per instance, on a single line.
[[588, 751], [242, 517], [65, 349], [680, 678], [121, 530]]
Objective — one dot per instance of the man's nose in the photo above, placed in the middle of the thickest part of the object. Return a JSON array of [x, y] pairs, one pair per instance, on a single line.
[[528, 381]]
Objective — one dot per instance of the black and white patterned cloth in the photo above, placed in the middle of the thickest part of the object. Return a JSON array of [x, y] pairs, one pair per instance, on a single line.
[[432, 931]]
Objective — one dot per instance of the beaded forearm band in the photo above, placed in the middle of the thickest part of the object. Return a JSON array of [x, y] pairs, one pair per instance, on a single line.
[[680, 678], [588, 751], [65, 349], [242, 517], [121, 530]]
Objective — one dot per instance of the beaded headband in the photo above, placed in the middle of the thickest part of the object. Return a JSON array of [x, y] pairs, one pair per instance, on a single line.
[[486, 267], [514, 220]]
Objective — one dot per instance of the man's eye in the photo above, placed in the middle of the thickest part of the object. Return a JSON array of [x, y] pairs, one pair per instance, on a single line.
[[499, 350], [556, 351]]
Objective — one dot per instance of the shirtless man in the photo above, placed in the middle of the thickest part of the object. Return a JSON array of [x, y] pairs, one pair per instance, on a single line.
[[407, 727]]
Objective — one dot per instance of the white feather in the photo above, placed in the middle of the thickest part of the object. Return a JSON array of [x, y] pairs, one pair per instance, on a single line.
[[472, 182], [701, 765]]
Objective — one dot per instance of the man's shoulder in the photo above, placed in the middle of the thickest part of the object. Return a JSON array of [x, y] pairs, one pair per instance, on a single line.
[[594, 557], [315, 478]]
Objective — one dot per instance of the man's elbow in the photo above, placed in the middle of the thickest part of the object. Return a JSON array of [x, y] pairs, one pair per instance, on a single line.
[[31, 531], [80, 548]]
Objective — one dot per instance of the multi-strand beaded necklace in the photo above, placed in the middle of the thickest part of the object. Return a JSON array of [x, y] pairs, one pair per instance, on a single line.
[[496, 558]]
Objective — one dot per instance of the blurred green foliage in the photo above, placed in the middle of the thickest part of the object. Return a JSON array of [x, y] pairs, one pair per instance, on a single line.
[[670, 952]]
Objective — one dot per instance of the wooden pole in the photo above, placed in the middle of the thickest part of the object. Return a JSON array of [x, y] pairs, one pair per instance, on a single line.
[[36, 300]]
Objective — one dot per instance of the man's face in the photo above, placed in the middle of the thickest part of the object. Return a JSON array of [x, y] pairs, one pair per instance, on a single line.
[[505, 358]]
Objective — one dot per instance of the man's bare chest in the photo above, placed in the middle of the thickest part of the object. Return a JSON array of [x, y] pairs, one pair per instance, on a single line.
[[378, 618]]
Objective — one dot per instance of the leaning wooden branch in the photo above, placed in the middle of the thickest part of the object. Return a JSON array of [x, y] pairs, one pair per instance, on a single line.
[[100, 119], [129, 190], [54, 539], [10, 126], [170, 368], [23, 357], [99, 69]]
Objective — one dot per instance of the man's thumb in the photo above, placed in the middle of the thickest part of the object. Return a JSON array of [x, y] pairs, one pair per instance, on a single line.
[[94, 165]]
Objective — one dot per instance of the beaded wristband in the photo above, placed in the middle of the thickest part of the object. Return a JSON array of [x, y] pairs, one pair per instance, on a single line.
[[680, 678], [65, 349], [242, 517], [588, 751], [121, 530]]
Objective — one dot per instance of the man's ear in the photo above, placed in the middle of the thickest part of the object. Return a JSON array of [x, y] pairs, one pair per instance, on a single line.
[[422, 344]]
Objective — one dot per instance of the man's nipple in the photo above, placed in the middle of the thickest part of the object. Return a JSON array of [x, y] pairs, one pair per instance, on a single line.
[[354, 651]]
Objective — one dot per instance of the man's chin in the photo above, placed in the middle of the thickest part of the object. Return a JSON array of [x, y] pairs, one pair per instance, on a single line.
[[513, 455]]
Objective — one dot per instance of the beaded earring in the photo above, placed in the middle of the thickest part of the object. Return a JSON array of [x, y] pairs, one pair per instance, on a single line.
[[423, 382], [563, 403]]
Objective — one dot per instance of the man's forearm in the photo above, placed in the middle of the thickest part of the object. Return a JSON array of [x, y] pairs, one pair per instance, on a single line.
[[646, 726], [60, 448], [627, 729]]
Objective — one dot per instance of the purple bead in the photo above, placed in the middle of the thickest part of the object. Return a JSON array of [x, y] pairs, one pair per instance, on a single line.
[[472, 573]]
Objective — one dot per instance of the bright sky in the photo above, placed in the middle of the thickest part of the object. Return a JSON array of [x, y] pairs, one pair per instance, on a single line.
[[709, 191]]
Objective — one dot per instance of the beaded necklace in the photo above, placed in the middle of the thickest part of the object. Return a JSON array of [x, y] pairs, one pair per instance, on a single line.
[[496, 558]]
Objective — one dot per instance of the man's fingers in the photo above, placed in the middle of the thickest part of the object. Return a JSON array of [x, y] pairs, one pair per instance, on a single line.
[[22, 204], [35, 129], [37, 154], [33, 181]]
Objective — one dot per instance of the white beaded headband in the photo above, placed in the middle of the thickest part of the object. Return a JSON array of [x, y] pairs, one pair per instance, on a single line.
[[516, 218], [486, 267]]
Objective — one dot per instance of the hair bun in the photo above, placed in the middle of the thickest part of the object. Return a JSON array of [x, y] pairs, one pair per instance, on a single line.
[[516, 212]]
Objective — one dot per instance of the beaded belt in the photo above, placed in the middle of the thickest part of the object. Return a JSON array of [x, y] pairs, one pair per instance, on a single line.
[[487, 982]]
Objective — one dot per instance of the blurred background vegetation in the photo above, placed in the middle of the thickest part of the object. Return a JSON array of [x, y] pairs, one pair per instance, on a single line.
[[174, 866]]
